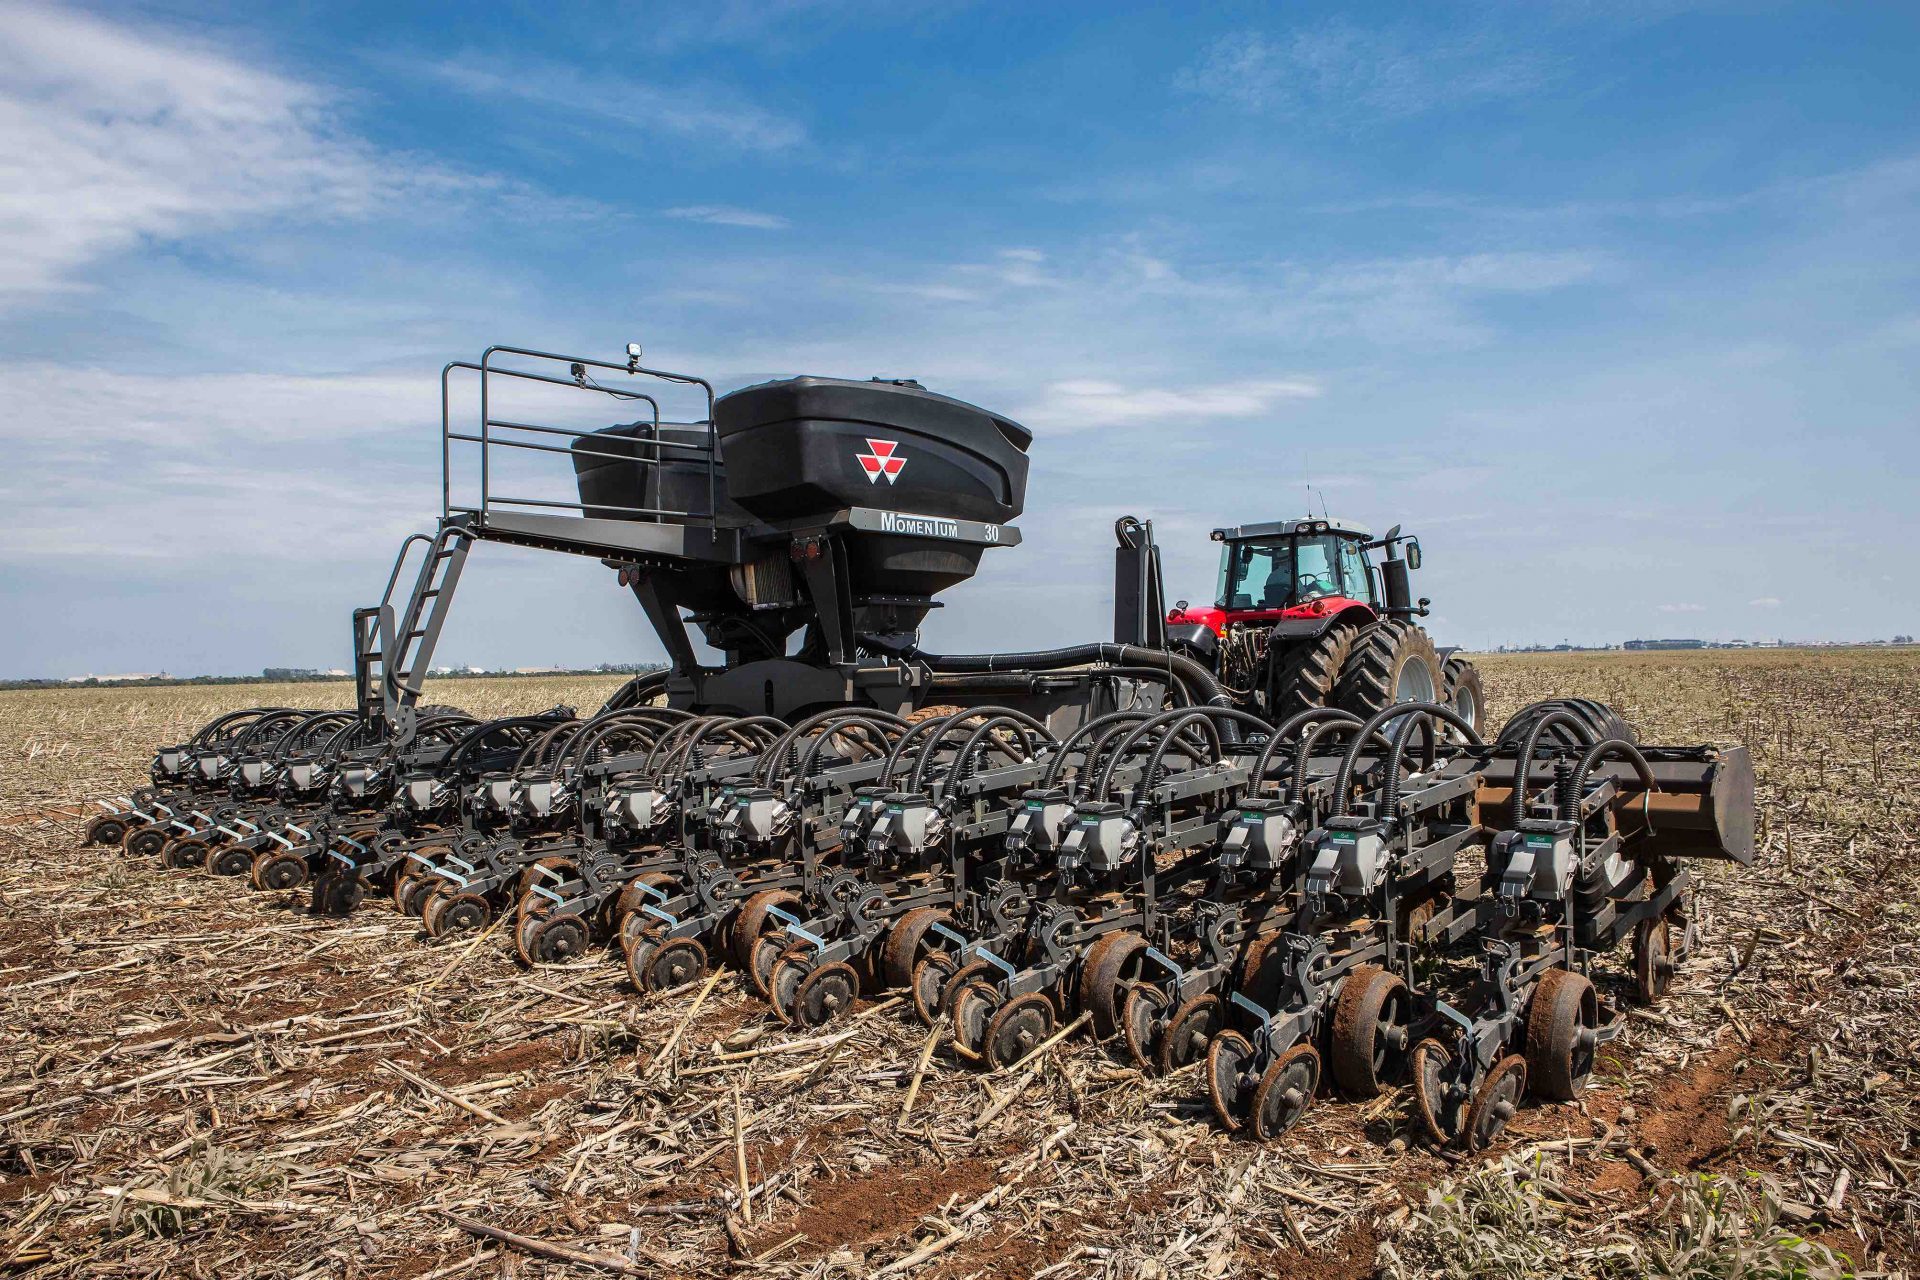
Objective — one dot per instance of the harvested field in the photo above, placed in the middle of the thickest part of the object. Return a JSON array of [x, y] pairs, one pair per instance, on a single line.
[[205, 1080]]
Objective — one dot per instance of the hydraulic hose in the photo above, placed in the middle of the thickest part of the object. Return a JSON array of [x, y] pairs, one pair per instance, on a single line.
[[1177, 666], [1576, 783], [1523, 763]]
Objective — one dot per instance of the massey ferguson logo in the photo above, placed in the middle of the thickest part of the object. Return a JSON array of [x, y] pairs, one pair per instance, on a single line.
[[882, 461]]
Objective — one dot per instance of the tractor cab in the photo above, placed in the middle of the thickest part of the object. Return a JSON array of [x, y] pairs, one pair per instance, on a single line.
[[1295, 570]]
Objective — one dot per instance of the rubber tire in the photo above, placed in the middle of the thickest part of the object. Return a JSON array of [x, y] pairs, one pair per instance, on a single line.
[[1203, 1016], [751, 921], [902, 949], [1563, 1002], [1462, 674], [1602, 719], [1372, 672], [1354, 1044], [1101, 975], [1305, 673]]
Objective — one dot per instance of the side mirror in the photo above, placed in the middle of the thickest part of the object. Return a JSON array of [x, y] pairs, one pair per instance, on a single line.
[[1413, 553], [1179, 606]]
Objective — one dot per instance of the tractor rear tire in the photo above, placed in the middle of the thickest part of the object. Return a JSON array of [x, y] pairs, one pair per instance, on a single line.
[[1464, 691], [1392, 661], [1303, 676]]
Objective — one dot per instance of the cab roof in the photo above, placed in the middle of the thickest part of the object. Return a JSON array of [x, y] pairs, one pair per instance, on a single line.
[[1291, 528]]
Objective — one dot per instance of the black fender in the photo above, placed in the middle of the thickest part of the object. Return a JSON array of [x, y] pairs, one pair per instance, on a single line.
[[1198, 641]]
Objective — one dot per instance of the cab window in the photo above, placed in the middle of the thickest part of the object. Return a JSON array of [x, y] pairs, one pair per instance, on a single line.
[[1353, 571]]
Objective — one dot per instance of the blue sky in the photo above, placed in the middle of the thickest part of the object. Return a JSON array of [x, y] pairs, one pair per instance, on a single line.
[[1617, 305]]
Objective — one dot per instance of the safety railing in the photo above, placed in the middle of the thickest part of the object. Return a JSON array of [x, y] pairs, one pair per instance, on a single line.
[[511, 433]]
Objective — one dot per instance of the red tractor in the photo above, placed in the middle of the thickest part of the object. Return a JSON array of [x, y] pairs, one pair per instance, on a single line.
[[1304, 618]]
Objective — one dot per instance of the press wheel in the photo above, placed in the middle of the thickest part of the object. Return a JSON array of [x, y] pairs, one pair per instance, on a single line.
[[1142, 1022], [1369, 1035], [1653, 966], [1017, 1028], [1188, 1033], [1561, 1019], [230, 860], [1286, 1091], [932, 979], [673, 963], [556, 939], [1109, 969], [1495, 1101], [281, 870], [905, 940], [145, 842], [972, 1008], [1230, 1082], [824, 994], [105, 828], [755, 917], [461, 913], [1440, 1092]]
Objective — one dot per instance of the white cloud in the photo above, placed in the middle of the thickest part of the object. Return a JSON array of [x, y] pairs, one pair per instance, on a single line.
[[62, 406], [1765, 602], [1337, 69], [1080, 403], [1683, 608], [642, 106], [725, 215], [112, 136]]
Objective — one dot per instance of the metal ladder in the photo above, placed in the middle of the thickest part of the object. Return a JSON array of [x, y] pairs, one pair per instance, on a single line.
[[391, 675]]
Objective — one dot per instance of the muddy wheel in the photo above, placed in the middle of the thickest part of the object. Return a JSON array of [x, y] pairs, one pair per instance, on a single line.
[[784, 982], [279, 871], [1109, 969], [1653, 965], [145, 842], [556, 939], [105, 829], [1286, 1091], [184, 853], [1230, 1082], [638, 952], [973, 1006], [1369, 1031], [905, 943], [525, 921], [337, 893], [409, 892], [1189, 1032], [634, 897], [460, 913], [824, 994], [230, 860], [767, 950], [1142, 1021], [1561, 1019], [1439, 1092], [1495, 1102], [431, 905], [928, 990], [1017, 1028], [672, 964], [756, 917]]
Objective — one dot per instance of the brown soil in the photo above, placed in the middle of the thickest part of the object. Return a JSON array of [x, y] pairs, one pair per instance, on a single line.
[[874, 1207]]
